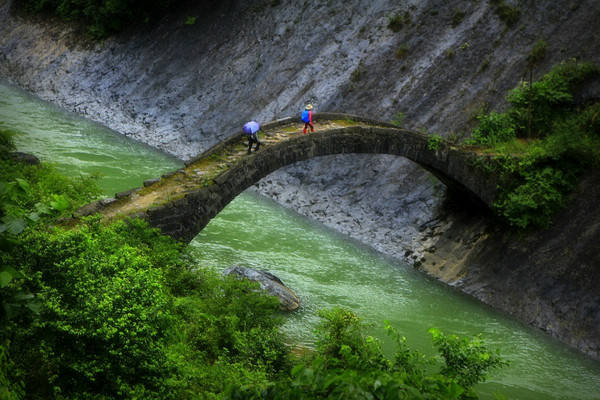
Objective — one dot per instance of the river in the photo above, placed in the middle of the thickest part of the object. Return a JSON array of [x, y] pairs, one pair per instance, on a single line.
[[323, 267]]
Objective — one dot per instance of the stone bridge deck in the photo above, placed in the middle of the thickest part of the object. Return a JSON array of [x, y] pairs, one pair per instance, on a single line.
[[181, 203]]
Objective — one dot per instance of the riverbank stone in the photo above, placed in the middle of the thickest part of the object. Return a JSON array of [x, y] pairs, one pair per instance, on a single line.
[[150, 182], [288, 300], [24, 158]]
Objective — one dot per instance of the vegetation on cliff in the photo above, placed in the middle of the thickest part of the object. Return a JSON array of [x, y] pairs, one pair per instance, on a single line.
[[542, 143], [102, 18], [121, 311]]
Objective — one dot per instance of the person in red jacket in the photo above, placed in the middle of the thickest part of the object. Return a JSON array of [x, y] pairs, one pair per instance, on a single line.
[[307, 118]]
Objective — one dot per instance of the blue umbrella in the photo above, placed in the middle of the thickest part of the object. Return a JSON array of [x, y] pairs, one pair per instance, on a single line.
[[251, 127]]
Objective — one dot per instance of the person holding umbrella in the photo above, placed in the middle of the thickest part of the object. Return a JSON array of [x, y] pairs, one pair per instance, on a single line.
[[251, 129]]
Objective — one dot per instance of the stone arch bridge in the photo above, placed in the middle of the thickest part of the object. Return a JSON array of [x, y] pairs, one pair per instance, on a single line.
[[182, 203]]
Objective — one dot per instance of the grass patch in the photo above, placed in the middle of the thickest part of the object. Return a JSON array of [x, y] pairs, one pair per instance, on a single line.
[[290, 129], [398, 119], [345, 122]]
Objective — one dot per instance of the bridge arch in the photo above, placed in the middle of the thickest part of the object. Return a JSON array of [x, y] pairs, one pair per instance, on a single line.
[[190, 211]]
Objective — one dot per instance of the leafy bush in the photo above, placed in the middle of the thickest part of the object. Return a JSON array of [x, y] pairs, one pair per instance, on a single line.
[[508, 14], [542, 143], [103, 319], [397, 21], [398, 119], [535, 107], [590, 119], [32, 194], [467, 360], [434, 142], [535, 201], [6, 142], [457, 17], [110, 324], [349, 365], [537, 54], [402, 51], [10, 387], [492, 129]]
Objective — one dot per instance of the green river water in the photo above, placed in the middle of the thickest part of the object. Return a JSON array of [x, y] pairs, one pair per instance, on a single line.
[[323, 267]]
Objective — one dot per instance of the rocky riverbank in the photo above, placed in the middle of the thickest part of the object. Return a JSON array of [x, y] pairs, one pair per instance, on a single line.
[[182, 88]]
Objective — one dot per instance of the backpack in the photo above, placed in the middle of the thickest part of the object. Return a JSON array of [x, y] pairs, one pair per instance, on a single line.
[[305, 116]]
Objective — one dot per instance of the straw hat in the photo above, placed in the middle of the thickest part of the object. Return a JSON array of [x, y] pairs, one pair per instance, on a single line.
[[309, 106]]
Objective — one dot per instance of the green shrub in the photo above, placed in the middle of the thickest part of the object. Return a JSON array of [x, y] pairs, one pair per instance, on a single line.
[[34, 194], [457, 18], [10, 387], [6, 142], [537, 198], [402, 51], [508, 14], [537, 54], [434, 142], [397, 21], [398, 119], [492, 129], [562, 141], [590, 120], [105, 313], [535, 107], [349, 365], [466, 360], [111, 325]]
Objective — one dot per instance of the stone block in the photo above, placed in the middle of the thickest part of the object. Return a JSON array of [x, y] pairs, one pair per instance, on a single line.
[[126, 193], [150, 182]]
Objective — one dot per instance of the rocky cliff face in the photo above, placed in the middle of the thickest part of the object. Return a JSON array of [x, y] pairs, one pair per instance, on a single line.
[[182, 88], [548, 278]]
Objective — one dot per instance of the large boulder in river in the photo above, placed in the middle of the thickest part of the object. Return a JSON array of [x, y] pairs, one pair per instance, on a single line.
[[288, 300]]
